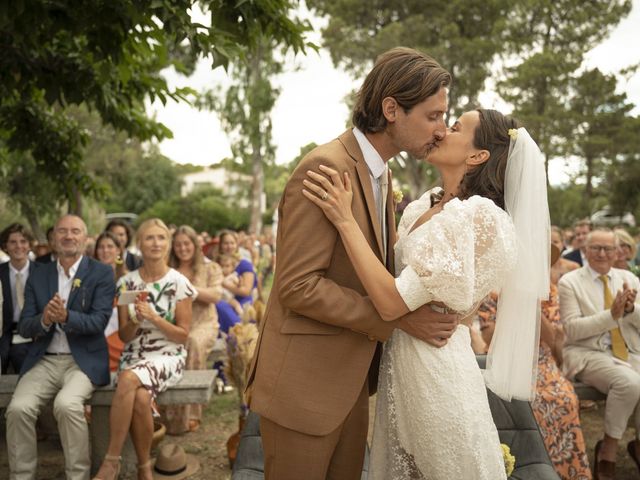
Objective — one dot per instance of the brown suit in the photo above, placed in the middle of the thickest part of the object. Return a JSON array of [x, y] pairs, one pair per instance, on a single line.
[[320, 334]]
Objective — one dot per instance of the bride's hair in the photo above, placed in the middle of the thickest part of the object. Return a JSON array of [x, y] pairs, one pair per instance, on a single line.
[[487, 179]]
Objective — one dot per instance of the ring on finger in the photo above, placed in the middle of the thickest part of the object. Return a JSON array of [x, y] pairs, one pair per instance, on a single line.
[[325, 195]]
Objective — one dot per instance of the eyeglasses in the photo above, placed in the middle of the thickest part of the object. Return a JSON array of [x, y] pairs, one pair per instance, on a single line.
[[596, 248]]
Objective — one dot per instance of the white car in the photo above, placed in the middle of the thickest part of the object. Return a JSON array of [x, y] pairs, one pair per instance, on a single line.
[[606, 217]]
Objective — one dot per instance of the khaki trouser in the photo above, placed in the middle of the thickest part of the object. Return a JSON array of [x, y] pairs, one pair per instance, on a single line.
[[291, 455], [622, 386], [53, 376]]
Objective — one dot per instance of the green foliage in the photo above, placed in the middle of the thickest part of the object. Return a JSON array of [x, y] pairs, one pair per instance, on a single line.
[[109, 55], [546, 41], [566, 204], [203, 209]]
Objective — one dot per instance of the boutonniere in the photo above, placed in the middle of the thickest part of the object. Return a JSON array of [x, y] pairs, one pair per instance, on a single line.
[[397, 197], [76, 283]]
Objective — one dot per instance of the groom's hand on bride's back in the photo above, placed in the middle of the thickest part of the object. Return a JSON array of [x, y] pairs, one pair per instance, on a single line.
[[430, 325]]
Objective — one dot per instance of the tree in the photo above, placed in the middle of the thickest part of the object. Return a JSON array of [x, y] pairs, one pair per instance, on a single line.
[[462, 35], [623, 176], [546, 41], [598, 114], [245, 114], [109, 55]]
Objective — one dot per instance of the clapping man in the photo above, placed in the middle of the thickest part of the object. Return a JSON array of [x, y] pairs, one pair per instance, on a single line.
[[66, 309], [602, 349]]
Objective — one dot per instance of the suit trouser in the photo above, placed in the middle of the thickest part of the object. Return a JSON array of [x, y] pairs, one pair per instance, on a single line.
[[622, 386], [291, 455], [59, 377]]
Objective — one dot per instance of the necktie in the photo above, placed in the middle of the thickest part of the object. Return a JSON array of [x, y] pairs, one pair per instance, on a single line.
[[19, 290], [618, 347], [383, 188]]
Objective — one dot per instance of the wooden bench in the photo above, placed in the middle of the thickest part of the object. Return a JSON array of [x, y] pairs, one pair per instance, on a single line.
[[196, 386]]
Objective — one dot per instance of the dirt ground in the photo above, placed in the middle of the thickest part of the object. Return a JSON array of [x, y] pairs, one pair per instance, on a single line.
[[220, 421]]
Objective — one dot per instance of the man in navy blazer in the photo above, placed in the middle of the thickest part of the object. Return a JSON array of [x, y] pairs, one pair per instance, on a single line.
[[67, 306], [16, 240], [580, 231]]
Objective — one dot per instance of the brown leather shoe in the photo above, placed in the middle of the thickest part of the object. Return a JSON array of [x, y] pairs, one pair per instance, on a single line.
[[631, 448], [602, 469]]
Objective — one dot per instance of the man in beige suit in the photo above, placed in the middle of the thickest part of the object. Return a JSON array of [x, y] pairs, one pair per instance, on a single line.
[[317, 356], [602, 349]]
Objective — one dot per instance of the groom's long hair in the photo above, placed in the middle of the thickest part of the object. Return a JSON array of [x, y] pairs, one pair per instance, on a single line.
[[487, 179], [407, 75]]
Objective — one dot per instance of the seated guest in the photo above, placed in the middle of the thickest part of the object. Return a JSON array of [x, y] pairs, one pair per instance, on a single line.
[[16, 240], [50, 255], [602, 349], [555, 407], [187, 257], [154, 328], [563, 265], [244, 289], [109, 252], [123, 232], [66, 308], [580, 231], [626, 250]]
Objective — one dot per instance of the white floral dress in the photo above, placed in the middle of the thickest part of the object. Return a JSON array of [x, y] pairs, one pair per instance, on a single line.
[[157, 361], [433, 420]]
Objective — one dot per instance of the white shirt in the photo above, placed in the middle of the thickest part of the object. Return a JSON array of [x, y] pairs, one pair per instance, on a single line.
[[59, 342], [374, 161]]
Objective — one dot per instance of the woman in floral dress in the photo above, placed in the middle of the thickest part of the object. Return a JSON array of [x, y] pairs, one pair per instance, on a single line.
[[206, 278], [154, 330], [555, 407]]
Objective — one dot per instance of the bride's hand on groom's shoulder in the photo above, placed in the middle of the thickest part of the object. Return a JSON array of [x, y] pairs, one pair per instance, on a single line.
[[331, 192], [429, 325]]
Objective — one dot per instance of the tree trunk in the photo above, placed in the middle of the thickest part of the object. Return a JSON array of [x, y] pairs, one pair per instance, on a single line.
[[588, 188], [34, 223]]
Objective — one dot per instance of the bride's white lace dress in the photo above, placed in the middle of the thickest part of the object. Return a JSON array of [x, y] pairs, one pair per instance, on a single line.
[[432, 416]]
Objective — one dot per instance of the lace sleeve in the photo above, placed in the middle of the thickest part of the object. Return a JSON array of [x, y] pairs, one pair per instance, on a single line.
[[458, 256]]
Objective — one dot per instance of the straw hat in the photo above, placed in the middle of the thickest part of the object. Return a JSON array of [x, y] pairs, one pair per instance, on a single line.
[[173, 463]]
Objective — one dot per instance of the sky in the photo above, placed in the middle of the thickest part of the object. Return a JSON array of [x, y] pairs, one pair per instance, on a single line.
[[311, 105]]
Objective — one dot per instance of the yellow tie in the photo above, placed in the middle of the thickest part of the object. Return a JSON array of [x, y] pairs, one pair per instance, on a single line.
[[618, 347]]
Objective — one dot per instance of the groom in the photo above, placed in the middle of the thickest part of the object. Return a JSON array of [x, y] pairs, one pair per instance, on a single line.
[[317, 357]]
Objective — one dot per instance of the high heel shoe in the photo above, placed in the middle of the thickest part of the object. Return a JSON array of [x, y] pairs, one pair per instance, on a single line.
[[110, 468], [144, 471]]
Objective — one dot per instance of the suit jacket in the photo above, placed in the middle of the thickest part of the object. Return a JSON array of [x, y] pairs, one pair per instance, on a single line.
[[46, 258], [575, 256], [586, 324], [7, 310], [89, 306], [319, 337]]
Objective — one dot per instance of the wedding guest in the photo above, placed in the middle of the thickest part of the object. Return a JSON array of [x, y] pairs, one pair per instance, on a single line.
[[124, 233], [563, 265], [602, 324], [109, 252], [243, 292], [16, 240], [154, 329], [626, 250], [187, 258], [66, 309], [580, 231], [555, 407], [50, 255]]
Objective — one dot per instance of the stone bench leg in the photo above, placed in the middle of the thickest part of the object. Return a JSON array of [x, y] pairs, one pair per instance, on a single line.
[[99, 431]]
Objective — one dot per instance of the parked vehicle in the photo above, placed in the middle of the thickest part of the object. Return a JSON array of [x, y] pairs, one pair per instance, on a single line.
[[607, 218]]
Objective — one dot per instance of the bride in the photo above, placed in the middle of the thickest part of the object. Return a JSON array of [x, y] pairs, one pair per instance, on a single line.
[[486, 229]]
